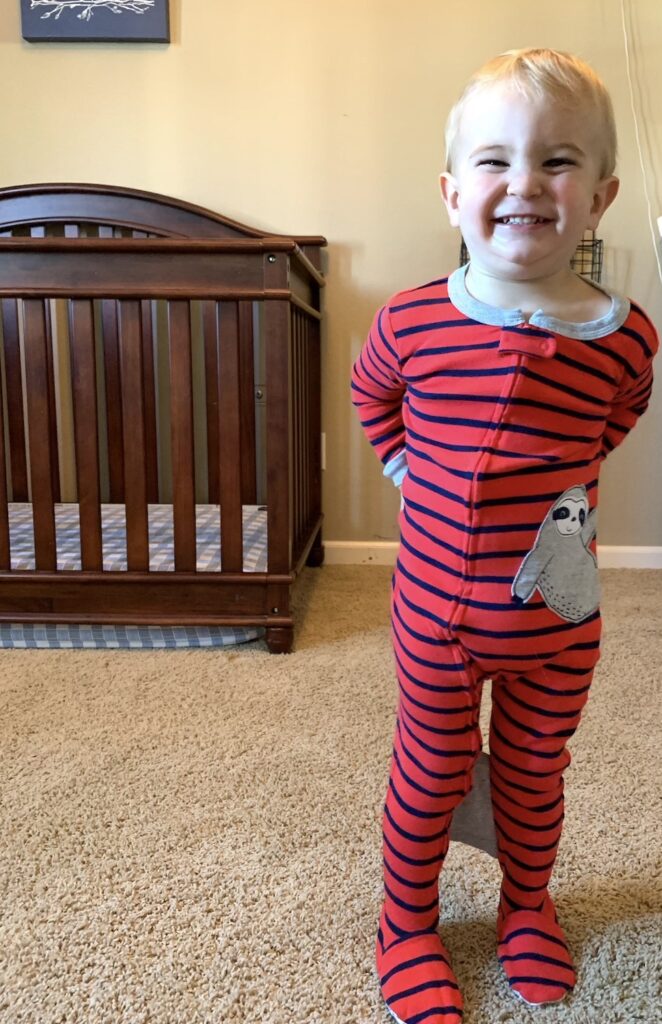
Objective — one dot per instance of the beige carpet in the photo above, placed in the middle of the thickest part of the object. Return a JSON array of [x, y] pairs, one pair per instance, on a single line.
[[194, 836]]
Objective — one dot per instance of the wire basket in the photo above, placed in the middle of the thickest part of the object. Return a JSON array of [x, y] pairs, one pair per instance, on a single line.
[[587, 260]]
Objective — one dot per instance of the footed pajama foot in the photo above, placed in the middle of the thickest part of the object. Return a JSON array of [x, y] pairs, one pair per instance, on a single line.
[[534, 955], [417, 981]]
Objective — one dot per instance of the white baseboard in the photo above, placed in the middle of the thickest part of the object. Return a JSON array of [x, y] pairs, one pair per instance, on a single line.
[[614, 557], [350, 552], [357, 552]]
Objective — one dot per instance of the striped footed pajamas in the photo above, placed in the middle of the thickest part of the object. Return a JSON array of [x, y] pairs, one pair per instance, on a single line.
[[496, 429]]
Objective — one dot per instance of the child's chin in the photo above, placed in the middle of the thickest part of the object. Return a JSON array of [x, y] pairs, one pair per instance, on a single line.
[[526, 264], [512, 267]]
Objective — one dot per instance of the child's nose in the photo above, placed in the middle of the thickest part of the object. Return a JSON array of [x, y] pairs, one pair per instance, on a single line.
[[525, 183]]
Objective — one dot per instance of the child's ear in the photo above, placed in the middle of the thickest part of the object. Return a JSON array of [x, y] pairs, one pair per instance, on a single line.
[[605, 193], [450, 192]]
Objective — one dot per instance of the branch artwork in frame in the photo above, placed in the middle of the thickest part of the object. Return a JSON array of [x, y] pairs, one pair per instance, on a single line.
[[110, 21]]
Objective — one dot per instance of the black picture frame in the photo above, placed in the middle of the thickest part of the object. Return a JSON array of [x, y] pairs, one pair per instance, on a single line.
[[95, 21]]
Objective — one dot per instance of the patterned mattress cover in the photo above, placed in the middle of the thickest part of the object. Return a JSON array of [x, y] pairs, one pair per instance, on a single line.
[[161, 543]]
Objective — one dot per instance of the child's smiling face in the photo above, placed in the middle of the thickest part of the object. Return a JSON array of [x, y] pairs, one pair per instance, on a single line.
[[526, 182]]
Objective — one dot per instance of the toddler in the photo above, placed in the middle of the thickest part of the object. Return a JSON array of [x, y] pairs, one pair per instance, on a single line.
[[492, 396]]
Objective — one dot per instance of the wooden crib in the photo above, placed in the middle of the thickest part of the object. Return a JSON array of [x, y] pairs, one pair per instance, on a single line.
[[155, 353]]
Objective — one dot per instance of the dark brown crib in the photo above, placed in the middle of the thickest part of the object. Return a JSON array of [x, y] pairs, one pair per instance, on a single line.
[[156, 353]]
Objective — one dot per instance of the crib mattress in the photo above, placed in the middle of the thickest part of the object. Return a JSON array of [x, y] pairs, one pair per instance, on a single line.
[[161, 537], [161, 558]]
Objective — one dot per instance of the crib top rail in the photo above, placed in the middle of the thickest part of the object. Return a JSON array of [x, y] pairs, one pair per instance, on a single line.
[[153, 268]]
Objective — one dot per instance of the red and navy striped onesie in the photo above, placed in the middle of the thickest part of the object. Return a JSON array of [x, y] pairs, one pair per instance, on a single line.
[[503, 425]]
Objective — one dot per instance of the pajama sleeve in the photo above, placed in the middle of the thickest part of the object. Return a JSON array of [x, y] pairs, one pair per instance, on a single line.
[[378, 389], [632, 398]]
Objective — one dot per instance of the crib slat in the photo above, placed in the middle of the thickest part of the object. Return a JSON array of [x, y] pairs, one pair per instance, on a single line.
[[52, 405], [247, 404], [246, 400], [294, 412], [149, 397], [277, 342], [230, 449], [313, 458], [15, 404], [298, 424], [5, 560], [83, 382], [303, 378], [312, 431], [181, 419], [111, 362], [14, 389], [210, 335], [313, 384], [307, 461], [133, 424], [35, 343], [302, 385]]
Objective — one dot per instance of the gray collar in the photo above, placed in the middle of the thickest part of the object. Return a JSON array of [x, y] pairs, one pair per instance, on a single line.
[[485, 314]]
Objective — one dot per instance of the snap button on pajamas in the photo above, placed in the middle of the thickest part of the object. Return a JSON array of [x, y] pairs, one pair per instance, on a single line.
[[529, 342]]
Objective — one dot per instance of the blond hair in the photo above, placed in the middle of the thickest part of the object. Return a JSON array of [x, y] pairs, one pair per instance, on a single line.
[[539, 73]]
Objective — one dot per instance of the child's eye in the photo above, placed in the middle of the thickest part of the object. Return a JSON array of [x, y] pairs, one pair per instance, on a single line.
[[560, 161], [492, 163]]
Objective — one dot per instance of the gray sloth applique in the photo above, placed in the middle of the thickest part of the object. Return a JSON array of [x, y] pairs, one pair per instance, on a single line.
[[560, 563]]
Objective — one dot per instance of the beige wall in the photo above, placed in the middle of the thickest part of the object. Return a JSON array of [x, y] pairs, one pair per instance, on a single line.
[[327, 118]]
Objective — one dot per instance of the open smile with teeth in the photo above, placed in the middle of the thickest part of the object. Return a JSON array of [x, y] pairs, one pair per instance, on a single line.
[[522, 220]]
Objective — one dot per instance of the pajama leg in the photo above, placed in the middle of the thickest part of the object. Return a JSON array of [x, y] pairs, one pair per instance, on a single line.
[[533, 717], [436, 742]]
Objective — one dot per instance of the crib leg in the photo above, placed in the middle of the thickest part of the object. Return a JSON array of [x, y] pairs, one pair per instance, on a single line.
[[279, 639], [316, 553]]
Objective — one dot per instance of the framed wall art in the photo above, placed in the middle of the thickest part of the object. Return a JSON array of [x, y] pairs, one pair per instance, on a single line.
[[118, 21]]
